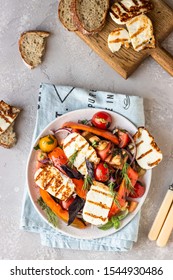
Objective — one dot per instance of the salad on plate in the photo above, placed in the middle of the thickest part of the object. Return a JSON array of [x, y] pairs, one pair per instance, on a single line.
[[91, 175]]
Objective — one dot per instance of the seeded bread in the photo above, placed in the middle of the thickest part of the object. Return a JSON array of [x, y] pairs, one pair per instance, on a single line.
[[32, 47], [8, 138], [90, 16], [65, 15]]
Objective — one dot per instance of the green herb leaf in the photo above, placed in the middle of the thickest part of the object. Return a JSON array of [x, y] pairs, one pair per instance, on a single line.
[[85, 121], [51, 140], [52, 218], [123, 214], [95, 144], [72, 159], [107, 226], [128, 182], [87, 182], [37, 147]]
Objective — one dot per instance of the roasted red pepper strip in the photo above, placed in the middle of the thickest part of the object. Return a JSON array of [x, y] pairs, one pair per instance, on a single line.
[[97, 131], [57, 209]]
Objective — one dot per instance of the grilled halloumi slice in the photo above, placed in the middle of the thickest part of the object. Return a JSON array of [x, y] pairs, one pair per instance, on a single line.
[[7, 115], [148, 153], [140, 30], [124, 10], [54, 182], [98, 203], [75, 144], [117, 38]]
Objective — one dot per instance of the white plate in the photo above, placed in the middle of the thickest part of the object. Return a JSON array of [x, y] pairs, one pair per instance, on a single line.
[[90, 232]]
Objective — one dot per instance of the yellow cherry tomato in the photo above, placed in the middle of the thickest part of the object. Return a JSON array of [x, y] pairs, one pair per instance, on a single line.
[[48, 143]]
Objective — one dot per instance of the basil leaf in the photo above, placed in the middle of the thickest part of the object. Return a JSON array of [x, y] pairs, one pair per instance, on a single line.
[[71, 173], [107, 226], [37, 147], [74, 208], [90, 168], [123, 215]]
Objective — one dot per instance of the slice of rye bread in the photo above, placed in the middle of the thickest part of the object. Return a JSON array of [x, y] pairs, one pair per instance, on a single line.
[[90, 16], [32, 47], [65, 15], [8, 138]]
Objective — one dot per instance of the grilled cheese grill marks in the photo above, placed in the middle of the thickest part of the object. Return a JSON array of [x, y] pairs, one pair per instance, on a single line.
[[148, 153], [118, 38], [55, 182], [141, 32], [124, 10], [73, 143], [98, 203], [7, 115]]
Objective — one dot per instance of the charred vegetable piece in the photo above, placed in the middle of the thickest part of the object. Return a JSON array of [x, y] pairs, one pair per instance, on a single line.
[[97, 131]]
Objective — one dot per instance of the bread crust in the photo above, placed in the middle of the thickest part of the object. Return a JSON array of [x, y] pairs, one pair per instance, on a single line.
[[80, 25], [61, 18]]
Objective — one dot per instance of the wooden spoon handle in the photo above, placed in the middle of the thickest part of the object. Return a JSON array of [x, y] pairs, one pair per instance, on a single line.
[[161, 215], [164, 58], [166, 229]]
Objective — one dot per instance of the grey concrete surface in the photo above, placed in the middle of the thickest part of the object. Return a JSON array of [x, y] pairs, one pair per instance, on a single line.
[[69, 61]]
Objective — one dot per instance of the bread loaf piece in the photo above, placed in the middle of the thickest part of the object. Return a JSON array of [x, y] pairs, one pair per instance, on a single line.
[[32, 47], [65, 15], [90, 16], [8, 114], [8, 138]]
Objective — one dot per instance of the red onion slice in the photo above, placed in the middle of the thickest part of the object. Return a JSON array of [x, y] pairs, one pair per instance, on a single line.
[[62, 130]]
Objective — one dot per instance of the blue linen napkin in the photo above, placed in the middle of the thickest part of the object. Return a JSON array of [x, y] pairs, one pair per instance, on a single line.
[[54, 101]]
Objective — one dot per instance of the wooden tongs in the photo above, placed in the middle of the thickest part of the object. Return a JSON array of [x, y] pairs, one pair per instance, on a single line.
[[163, 223]]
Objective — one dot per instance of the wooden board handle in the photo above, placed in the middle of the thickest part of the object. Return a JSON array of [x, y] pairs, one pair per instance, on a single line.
[[164, 58], [161, 215], [166, 229]]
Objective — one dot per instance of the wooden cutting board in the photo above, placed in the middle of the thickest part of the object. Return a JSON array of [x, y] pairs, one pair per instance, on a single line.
[[126, 61]]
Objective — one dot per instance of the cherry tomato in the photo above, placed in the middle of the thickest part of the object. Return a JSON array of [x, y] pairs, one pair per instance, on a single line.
[[102, 120], [102, 172], [123, 138], [47, 143], [139, 191], [103, 154], [67, 203]]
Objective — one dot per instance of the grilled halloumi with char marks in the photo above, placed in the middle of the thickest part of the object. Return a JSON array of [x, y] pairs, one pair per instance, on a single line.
[[148, 153], [76, 144], [7, 115], [117, 38], [54, 182], [124, 10], [98, 203], [141, 33]]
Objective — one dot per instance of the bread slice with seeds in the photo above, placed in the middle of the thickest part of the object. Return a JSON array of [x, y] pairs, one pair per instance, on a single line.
[[90, 16], [32, 47], [65, 15], [8, 138]]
